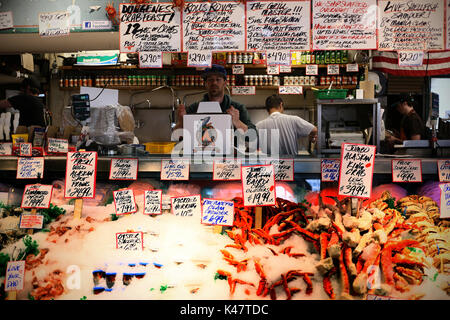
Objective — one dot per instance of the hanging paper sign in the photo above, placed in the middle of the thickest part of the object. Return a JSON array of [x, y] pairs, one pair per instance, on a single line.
[[174, 170], [279, 58], [15, 273], [238, 69], [187, 206], [153, 202], [201, 59], [149, 27], [30, 168], [227, 170], [243, 90], [5, 149], [130, 241], [25, 149], [57, 145], [410, 25], [81, 172], [352, 67], [332, 69], [285, 69], [410, 58], [356, 171], [406, 170], [312, 70], [444, 170], [290, 90], [123, 169], [31, 221], [284, 169], [37, 196], [124, 201], [54, 24], [445, 201], [150, 59], [344, 24], [278, 25], [258, 185], [213, 26], [273, 69], [6, 20], [218, 212], [330, 170]]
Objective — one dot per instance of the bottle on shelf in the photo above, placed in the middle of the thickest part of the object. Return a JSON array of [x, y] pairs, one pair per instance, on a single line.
[[344, 57], [338, 57], [313, 57], [333, 57], [327, 57], [308, 57]]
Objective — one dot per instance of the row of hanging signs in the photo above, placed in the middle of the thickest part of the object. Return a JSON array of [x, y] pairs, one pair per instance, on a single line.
[[203, 27]]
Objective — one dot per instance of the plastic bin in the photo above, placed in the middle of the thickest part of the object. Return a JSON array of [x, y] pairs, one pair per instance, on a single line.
[[159, 147]]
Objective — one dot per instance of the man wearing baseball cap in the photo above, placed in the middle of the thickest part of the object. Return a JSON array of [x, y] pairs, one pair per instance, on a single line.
[[411, 126], [27, 103], [215, 82]]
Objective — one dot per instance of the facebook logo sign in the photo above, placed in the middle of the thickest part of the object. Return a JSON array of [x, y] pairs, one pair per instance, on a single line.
[[87, 24]]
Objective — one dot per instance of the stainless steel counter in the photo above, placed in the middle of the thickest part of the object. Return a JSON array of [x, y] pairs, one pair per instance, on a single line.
[[307, 165]]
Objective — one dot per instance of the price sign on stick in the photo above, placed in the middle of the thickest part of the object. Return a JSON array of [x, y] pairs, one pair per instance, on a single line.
[[356, 171], [37, 196], [227, 170], [81, 172], [174, 170], [131, 241], [187, 206], [124, 201], [150, 60], [444, 170], [284, 169], [258, 185], [445, 200], [15, 273], [406, 170], [153, 202], [197, 58], [123, 169], [30, 168], [218, 212]]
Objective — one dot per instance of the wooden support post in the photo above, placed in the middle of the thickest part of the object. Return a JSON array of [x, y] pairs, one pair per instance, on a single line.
[[258, 217], [78, 207], [217, 229], [11, 295]]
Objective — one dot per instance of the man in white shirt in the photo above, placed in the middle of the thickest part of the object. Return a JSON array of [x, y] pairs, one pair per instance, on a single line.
[[290, 129]]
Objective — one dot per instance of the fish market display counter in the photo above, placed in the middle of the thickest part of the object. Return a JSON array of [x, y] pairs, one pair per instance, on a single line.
[[154, 237]]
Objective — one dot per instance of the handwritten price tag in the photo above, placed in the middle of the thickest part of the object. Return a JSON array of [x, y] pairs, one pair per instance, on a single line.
[[243, 90], [356, 171], [187, 206], [152, 202], [285, 69], [445, 200], [81, 172], [352, 67], [282, 57], [150, 60], [174, 170], [31, 221], [227, 170], [258, 185], [330, 170], [15, 273], [58, 145], [25, 149], [290, 90], [37, 196], [5, 149], [410, 58], [30, 168], [124, 201], [198, 58], [332, 69], [444, 170], [284, 169], [53, 24], [130, 241], [406, 170], [312, 70], [218, 212], [273, 69], [123, 169], [6, 20], [238, 69]]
